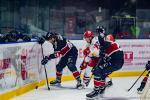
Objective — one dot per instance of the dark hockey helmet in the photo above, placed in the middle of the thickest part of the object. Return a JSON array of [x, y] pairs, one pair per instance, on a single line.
[[50, 35], [100, 30], [59, 37]]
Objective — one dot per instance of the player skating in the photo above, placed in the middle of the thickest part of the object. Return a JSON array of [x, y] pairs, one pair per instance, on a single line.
[[145, 79], [68, 53], [91, 56], [112, 60]]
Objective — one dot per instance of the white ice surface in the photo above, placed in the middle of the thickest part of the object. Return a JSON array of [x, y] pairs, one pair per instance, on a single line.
[[116, 92]]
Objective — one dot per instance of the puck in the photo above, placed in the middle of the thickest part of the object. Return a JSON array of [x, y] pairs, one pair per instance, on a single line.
[[36, 87]]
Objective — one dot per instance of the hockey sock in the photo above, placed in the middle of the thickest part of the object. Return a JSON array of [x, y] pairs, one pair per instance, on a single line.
[[76, 75], [58, 75], [98, 82]]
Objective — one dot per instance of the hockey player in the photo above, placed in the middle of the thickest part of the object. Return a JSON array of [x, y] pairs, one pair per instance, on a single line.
[[112, 59], [91, 56], [47, 43], [144, 81], [68, 53]]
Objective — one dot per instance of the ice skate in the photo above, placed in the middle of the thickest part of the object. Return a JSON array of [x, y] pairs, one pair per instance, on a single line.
[[79, 85], [95, 93], [86, 82], [55, 83], [140, 90]]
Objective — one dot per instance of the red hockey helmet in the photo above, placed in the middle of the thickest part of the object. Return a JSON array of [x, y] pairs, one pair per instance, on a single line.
[[110, 38], [88, 34]]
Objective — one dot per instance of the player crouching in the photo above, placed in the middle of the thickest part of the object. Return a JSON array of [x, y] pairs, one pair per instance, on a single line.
[[68, 54]]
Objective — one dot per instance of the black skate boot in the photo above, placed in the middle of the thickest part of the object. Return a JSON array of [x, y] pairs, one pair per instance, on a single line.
[[102, 89], [140, 90], [94, 94], [79, 84], [55, 82]]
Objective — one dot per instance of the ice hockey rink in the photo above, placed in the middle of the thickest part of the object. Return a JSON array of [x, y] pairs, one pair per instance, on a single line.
[[118, 91]]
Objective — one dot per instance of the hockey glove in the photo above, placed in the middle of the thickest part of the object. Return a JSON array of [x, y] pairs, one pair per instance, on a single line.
[[86, 51], [101, 31], [40, 40], [148, 66], [45, 60]]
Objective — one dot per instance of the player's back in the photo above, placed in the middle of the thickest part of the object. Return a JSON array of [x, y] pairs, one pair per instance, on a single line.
[[62, 42]]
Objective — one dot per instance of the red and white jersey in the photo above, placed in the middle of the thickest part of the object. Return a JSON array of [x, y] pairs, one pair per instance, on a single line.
[[93, 47], [112, 48], [110, 38], [91, 57], [65, 49], [108, 46]]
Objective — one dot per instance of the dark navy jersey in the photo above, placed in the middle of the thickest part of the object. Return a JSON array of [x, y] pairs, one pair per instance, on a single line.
[[108, 47], [62, 44]]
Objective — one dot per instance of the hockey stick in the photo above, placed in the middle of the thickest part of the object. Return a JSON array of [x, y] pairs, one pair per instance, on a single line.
[[136, 81], [80, 72], [45, 69]]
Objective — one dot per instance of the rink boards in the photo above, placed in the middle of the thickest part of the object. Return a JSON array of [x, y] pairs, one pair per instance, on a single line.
[[21, 71]]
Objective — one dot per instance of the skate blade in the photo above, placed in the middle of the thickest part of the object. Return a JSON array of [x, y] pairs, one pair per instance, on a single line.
[[94, 98], [81, 87], [58, 85]]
